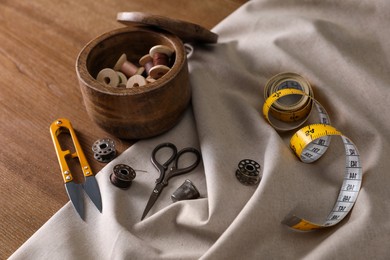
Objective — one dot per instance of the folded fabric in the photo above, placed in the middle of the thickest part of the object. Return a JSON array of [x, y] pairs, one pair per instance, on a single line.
[[342, 48]]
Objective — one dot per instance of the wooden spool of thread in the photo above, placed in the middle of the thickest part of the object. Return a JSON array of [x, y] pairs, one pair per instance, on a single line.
[[125, 66], [161, 49], [108, 77], [136, 81], [149, 79], [146, 61], [122, 79], [160, 59], [160, 55], [158, 71]]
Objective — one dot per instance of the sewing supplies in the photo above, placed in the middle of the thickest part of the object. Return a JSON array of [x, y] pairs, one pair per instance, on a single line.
[[173, 171], [122, 176], [121, 111], [126, 67], [291, 109], [153, 65], [74, 190], [136, 81], [248, 172], [310, 142], [104, 150], [161, 60], [186, 191], [109, 77], [146, 61], [122, 79], [149, 79]]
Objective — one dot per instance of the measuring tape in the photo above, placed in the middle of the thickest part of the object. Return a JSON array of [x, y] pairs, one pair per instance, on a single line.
[[310, 143], [290, 108]]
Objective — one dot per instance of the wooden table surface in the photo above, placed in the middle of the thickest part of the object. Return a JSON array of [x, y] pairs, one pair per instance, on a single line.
[[40, 41]]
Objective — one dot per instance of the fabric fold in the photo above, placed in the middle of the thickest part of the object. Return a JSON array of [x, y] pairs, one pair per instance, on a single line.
[[340, 48]]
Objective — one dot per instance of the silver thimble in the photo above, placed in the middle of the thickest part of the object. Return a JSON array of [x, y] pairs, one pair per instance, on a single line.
[[187, 191]]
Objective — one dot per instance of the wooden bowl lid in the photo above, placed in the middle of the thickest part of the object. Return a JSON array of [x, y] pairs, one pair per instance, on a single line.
[[186, 31]]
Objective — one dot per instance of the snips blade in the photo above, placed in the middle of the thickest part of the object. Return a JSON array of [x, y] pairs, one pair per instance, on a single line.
[[152, 199], [75, 194], [91, 187]]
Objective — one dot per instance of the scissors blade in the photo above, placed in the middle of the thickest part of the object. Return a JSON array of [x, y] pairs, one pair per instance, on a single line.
[[91, 187], [75, 195], [152, 199]]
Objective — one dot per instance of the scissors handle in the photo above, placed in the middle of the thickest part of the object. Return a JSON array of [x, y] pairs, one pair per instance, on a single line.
[[165, 175], [175, 171], [163, 167]]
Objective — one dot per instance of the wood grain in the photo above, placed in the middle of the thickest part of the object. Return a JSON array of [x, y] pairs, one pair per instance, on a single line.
[[40, 41]]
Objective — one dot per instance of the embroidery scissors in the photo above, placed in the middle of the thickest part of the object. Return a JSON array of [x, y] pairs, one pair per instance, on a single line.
[[74, 190], [174, 170]]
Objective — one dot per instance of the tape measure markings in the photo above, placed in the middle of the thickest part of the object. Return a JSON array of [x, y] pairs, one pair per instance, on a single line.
[[300, 108], [309, 143], [312, 141], [352, 179], [286, 80], [324, 117], [299, 116], [346, 198], [317, 148]]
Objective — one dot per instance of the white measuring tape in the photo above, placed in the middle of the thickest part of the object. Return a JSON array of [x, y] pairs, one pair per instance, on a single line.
[[311, 142]]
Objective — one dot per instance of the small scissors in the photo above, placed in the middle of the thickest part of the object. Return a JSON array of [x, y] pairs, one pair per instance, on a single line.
[[74, 190], [165, 175]]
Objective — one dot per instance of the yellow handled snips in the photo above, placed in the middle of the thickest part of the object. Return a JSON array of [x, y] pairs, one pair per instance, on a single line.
[[74, 190]]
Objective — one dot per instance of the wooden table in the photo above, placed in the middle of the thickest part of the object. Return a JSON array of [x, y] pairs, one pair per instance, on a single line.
[[40, 41]]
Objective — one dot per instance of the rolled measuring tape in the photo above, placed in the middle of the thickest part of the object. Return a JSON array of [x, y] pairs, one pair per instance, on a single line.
[[290, 108], [309, 144]]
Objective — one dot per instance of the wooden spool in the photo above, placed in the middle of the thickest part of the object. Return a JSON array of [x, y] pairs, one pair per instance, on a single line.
[[143, 111]]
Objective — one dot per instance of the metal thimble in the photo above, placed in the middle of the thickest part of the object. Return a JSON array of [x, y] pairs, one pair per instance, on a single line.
[[187, 191]]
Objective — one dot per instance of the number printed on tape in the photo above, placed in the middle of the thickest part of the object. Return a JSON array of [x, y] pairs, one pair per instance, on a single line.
[[310, 142]]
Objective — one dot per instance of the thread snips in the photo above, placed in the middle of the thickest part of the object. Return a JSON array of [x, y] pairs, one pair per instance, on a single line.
[[75, 190]]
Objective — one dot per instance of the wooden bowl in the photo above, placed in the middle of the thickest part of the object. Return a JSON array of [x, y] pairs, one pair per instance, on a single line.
[[139, 112]]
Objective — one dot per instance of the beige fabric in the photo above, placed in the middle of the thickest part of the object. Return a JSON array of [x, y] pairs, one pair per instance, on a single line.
[[342, 47]]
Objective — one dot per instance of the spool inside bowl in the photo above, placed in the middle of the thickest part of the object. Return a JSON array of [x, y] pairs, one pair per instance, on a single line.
[[137, 112], [134, 44]]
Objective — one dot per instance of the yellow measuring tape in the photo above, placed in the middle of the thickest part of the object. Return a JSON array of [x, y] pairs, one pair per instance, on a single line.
[[310, 142], [290, 108]]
